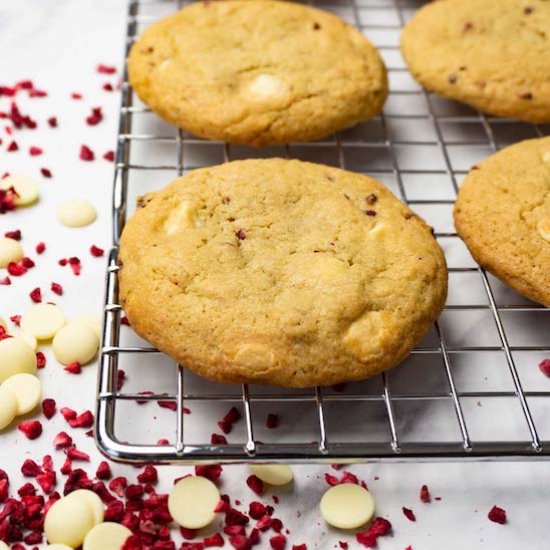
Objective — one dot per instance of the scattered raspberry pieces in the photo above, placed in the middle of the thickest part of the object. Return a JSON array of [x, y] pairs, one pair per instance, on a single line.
[[544, 367], [378, 528], [46, 172], [96, 251], [425, 494], [31, 428], [209, 471], [109, 156], [95, 117], [48, 408], [73, 368], [108, 87], [256, 484], [497, 515], [52, 122], [15, 234], [278, 542], [76, 95], [272, 421], [12, 147], [409, 514], [84, 420], [57, 289], [40, 360], [35, 151], [36, 295], [103, 471], [105, 69], [86, 153], [40, 247]]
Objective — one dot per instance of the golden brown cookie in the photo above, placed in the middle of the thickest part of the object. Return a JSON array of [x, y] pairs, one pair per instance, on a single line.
[[491, 54], [258, 72], [503, 215], [280, 272]]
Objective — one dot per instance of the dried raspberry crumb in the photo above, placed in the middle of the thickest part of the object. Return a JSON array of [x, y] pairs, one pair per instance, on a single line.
[[425, 494], [30, 468], [149, 475], [272, 421], [52, 122], [46, 172], [32, 428], [96, 251], [172, 405], [57, 289], [299, 547], [15, 234], [74, 454], [76, 95], [105, 69], [73, 368], [48, 408], [35, 151], [46, 481], [343, 545], [40, 360], [217, 439], [409, 514], [16, 319], [188, 534], [6, 281], [16, 270], [103, 471], [12, 147], [241, 234], [84, 420], [109, 156], [214, 540], [40, 247], [86, 153], [256, 484], [378, 528], [497, 515], [68, 414], [95, 118], [108, 87], [278, 542], [36, 295], [209, 471], [544, 367]]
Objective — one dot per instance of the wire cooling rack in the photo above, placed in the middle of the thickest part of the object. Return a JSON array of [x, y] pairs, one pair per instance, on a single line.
[[471, 389]]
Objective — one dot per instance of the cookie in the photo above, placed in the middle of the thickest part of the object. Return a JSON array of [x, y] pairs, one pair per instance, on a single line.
[[280, 272], [503, 215], [257, 72], [491, 54]]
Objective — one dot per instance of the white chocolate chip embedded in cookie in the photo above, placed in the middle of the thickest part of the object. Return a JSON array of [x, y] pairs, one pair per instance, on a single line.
[[266, 86], [185, 215], [543, 227]]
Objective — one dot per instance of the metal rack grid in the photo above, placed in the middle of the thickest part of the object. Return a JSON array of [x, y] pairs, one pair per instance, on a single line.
[[420, 146]]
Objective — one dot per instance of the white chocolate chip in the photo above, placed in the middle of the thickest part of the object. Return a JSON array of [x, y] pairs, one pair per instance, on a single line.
[[3, 545], [543, 227], [26, 189], [8, 408], [75, 342], [56, 547], [27, 390], [91, 321], [266, 86], [15, 357], [76, 213], [183, 216], [106, 536], [68, 522], [274, 474], [43, 320], [92, 501], [546, 155], [192, 502], [27, 336], [10, 251], [347, 506]]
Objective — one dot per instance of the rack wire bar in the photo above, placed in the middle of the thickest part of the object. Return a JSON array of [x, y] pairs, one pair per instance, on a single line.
[[478, 367]]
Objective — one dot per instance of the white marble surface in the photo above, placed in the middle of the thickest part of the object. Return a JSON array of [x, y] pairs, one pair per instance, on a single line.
[[58, 43]]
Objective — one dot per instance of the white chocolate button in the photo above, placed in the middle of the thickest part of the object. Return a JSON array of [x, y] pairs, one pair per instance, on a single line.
[[90, 320], [68, 522], [27, 390], [92, 501], [15, 357], [3, 545], [8, 407], [347, 506], [192, 502], [543, 227], [76, 213], [27, 337], [10, 251], [274, 474], [43, 320], [25, 188], [3, 323], [106, 536], [75, 342], [266, 86], [56, 547]]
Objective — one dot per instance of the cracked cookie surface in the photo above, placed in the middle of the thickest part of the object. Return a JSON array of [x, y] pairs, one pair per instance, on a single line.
[[280, 272], [257, 72], [503, 215], [490, 54]]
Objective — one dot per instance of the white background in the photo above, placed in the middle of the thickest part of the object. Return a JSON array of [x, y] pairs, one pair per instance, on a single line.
[[58, 43]]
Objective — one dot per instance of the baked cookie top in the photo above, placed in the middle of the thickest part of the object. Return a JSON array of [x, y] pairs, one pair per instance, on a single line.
[[503, 215], [280, 272], [257, 72], [490, 54]]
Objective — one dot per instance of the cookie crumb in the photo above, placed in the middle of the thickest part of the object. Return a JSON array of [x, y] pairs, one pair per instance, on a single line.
[[526, 95]]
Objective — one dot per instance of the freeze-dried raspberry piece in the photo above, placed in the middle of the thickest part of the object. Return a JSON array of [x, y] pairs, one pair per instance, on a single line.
[[46, 172], [95, 117], [5, 281], [105, 69], [36, 295], [16, 270], [497, 515], [57, 289], [234, 517], [256, 510], [108, 87], [409, 514], [40, 360], [214, 540], [118, 485], [343, 545], [40, 247], [12, 147], [149, 475], [62, 440], [96, 251], [68, 414], [544, 367], [15, 234], [52, 122], [109, 156], [35, 151], [86, 153], [331, 480], [76, 95], [30, 468], [114, 511], [74, 368], [103, 471], [188, 534], [272, 421], [209, 471], [278, 542], [48, 408], [84, 420], [299, 547], [32, 428], [425, 494], [74, 454], [256, 484], [172, 405], [46, 481], [67, 467], [378, 528]]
